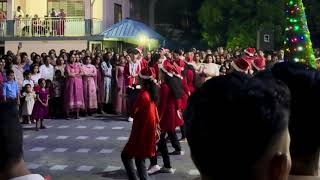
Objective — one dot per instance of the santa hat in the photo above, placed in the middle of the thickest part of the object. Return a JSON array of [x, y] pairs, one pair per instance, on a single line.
[[250, 51], [259, 63], [167, 68], [147, 73], [139, 49], [241, 65]]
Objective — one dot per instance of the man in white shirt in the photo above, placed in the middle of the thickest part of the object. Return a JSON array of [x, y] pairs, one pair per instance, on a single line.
[[304, 84], [18, 13], [12, 165], [47, 70]]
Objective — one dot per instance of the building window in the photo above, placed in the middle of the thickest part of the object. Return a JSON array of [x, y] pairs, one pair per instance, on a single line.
[[266, 38], [3, 6], [71, 7], [117, 13]]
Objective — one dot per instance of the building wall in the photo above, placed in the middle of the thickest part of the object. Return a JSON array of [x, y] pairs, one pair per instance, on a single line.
[[36, 7], [45, 46], [139, 10], [21, 3], [32, 7], [97, 9], [109, 11]]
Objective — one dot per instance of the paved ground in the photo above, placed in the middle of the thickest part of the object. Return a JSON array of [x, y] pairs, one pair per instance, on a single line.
[[89, 149]]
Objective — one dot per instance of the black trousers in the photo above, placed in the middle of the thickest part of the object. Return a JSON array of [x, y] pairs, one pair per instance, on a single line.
[[183, 131], [174, 140], [163, 148], [56, 107], [132, 96], [131, 172]]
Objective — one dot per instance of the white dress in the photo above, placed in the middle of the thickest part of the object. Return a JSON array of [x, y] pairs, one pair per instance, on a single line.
[[47, 72], [211, 70], [107, 74], [28, 104], [35, 78]]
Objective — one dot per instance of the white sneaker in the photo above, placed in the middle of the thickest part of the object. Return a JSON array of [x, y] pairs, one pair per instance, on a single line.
[[167, 170], [154, 169], [182, 153], [130, 119]]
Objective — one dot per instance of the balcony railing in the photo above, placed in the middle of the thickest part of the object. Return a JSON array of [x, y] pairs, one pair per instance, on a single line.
[[3, 28], [97, 26], [49, 27]]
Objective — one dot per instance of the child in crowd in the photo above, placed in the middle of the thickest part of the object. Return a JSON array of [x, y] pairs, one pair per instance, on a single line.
[[40, 110], [29, 99], [50, 89], [27, 79], [57, 94], [10, 90], [35, 74]]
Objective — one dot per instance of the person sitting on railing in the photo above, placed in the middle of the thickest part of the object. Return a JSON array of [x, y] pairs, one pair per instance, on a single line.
[[36, 25], [53, 13], [62, 16], [19, 13], [55, 22]]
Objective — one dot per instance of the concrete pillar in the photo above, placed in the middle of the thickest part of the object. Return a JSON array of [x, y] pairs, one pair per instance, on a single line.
[[88, 17], [10, 20]]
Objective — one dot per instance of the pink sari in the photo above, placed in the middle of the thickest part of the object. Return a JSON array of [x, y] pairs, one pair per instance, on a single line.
[[100, 85], [74, 88], [121, 92], [89, 87]]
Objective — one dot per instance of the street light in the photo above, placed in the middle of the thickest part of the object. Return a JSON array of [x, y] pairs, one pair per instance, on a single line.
[[142, 38]]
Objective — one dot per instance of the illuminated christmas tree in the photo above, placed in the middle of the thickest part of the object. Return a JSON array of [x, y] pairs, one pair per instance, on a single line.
[[298, 45]]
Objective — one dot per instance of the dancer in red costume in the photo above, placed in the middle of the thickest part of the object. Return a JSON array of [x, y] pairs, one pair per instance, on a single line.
[[182, 74], [143, 62], [170, 92], [132, 70], [144, 134], [189, 72]]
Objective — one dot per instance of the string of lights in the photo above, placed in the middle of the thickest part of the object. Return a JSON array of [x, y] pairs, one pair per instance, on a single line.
[[298, 45]]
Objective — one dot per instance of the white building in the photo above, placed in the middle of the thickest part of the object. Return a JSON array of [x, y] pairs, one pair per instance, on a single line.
[[39, 32]]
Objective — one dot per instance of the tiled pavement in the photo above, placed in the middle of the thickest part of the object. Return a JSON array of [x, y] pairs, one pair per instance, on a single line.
[[89, 149]]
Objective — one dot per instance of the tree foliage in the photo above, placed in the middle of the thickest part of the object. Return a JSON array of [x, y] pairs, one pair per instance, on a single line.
[[235, 22]]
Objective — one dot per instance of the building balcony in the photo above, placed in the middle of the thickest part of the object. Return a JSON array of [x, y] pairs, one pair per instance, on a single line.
[[3, 28], [51, 27], [96, 26]]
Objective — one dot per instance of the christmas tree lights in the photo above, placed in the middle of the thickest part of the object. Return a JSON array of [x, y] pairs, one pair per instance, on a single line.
[[298, 45]]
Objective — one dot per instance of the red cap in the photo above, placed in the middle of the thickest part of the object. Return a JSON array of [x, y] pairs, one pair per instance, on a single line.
[[250, 51], [140, 48], [241, 65], [259, 63]]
